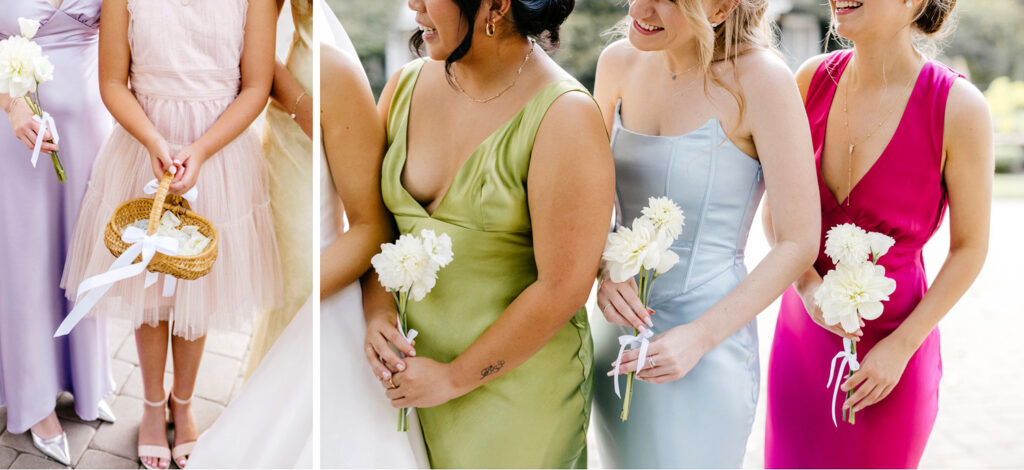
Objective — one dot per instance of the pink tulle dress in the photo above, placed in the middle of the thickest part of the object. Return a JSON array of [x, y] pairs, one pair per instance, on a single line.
[[185, 71], [903, 196]]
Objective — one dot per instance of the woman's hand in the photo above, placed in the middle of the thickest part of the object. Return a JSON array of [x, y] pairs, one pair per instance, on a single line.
[[26, 129], [620, 304], [807, 296], [381, 332], [423, 384], [670, 356], [879, 373], [189, 159]]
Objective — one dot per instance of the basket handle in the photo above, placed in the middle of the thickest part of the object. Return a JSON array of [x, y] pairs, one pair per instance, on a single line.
[[158, 203]]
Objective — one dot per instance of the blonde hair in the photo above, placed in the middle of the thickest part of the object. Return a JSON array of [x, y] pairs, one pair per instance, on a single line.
[[745, 29]]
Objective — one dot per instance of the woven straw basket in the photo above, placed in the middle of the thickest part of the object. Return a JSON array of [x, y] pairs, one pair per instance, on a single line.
[[182, 267]]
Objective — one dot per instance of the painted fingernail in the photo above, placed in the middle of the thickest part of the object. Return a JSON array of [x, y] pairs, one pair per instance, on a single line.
[[401, 366], [610, 373], [649, 322], [412, 352]]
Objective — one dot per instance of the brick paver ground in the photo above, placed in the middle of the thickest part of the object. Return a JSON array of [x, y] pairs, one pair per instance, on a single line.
[[104, 445]]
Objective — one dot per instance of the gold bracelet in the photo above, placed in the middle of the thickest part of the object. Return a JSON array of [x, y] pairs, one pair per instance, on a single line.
[[295, 107]]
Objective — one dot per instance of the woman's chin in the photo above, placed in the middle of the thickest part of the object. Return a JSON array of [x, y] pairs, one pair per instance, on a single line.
[[645, 43]]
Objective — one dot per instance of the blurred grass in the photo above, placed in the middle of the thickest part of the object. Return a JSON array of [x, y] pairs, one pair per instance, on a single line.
[[1008, 185]]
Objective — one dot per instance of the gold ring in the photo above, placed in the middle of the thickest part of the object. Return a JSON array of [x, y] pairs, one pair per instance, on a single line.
[[392, 383]]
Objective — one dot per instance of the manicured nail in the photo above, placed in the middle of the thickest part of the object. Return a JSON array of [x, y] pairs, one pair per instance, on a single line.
[[610, 373], [649, 322], [412, 352], [401, 366], [386, 375]]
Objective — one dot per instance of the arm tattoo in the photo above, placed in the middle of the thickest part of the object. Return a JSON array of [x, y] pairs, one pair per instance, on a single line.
[[491, 369]]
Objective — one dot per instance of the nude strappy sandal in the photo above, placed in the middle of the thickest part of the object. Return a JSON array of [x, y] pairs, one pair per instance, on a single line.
[[152, 451], [181, 452]]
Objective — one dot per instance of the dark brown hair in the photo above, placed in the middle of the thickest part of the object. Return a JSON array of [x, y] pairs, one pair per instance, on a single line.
[[537, 19]]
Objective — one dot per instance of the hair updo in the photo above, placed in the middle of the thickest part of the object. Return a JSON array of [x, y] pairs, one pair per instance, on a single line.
[[933, 16], [537, 19]]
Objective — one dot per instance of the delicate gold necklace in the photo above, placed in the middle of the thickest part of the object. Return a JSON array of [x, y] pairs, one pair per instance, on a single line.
[[849, 136], [675, 74], [507, 88]]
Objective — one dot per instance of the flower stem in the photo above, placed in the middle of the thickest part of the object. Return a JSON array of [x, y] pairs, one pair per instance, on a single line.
[[851, 419], [644, 290], [403, 319]]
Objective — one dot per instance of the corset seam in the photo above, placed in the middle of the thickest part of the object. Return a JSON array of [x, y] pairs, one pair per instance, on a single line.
[[713, 156]]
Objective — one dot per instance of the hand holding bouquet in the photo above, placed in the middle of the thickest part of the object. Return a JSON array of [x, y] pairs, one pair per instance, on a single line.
[[644, 249], [853, 291], [408, 269], [22, 68]]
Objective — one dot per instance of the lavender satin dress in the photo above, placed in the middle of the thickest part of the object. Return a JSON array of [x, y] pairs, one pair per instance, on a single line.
[[37, 215]]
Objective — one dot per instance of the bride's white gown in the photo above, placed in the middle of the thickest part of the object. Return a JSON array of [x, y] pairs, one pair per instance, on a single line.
[[358, 426]]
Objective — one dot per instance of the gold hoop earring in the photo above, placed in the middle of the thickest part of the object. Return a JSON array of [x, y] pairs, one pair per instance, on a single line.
[[489, 29]]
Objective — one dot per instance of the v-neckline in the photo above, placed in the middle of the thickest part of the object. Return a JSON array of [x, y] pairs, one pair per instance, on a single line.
[[473, 155], [885, 150]]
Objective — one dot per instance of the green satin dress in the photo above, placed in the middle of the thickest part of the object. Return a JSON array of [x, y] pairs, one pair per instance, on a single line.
[[535, 415]]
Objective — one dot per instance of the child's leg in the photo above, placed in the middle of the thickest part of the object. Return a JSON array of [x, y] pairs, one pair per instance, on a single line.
[[151, 344], [187, 355]]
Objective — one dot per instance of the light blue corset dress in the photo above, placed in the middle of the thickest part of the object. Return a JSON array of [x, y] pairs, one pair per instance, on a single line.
[[702, 420]]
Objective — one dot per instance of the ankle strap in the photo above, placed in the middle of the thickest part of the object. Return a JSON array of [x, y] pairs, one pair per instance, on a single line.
[[179, 400], [155, 404]]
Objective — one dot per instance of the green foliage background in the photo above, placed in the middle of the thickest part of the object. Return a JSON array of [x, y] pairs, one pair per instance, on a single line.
[[989, 35]]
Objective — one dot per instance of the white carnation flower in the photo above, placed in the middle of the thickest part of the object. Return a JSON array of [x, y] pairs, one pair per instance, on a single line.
[[880, 244], [403, 265], [411, 263], [439, 247], [22, 66], [28, 27], [851, 292], [630, 249], [666, 216], [847, 243]]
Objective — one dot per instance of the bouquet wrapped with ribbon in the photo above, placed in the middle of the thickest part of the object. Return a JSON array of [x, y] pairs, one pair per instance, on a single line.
[[852, 292], [22, 68], [156, 250], [644, 249], [408, 269]]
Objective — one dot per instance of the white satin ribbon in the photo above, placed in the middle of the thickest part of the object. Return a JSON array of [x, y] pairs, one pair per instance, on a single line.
[[45, 122], [122, 268], [642, 340], [153, 184], [848, 359]]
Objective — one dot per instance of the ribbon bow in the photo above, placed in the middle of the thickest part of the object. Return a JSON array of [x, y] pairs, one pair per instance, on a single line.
[[642, 340], [122, 268], [190, 196], [408, 336], [45, 122], [848, 358]]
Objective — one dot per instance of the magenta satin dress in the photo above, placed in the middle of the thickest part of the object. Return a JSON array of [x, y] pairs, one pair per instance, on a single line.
[[903, 196], [36, 217]]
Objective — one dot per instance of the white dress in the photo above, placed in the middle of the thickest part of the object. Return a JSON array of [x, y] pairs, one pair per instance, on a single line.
[[357, 422]]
